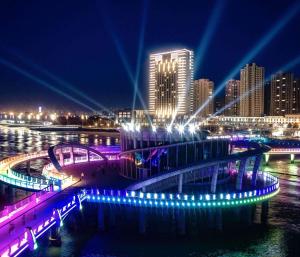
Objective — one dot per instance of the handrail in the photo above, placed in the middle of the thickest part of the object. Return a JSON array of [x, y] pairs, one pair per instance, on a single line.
[[258, 149]]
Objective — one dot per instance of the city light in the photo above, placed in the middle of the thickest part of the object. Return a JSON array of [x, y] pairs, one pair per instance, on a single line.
[[192, 128], [169, 128], [154, 129], [180, 128], [259, 46], [43, 83]]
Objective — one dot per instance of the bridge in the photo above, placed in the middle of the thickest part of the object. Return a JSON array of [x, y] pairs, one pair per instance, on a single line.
[[221, 181], [51, 195], [292, 152]]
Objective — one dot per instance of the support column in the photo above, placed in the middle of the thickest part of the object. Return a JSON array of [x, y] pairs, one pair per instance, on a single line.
[[180, 182], [264, 212], [61, 158], [142, 221], [11, 194], [28, 167], [101, 223], [112, 216], [2, 188], [31, 239], [219, 220], [239, 179], [180, 217], [55, 238], [267, 157], [255, 169], [72, 156], [88, 155], [292, 158], [214, 179]]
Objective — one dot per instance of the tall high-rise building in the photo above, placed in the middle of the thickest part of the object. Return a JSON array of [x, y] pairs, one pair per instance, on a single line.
[[219, 105], [202, 94], [252, 91], [171, 78], [267, 96], [283, 95], [297, 95], [232, 93]]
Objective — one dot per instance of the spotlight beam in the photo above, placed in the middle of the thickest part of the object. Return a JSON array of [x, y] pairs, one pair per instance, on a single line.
[[287, 66], [43, 83], [60, 81], [125, 63], [291, 12], [209, 32], [140, 50]]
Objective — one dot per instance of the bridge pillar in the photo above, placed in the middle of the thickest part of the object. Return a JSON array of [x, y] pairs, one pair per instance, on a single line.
[[142, 221], [78, 201], [55, 238], [180, 182], [255, 169], [214, 179], [242, 169], [264, 212], [11, 193], [31, 239], [267, 157], [88, 155], [219, 220], [180, 218], [112, 216], [72, 156], [292, 156], [2, 188], [61, 158], [100, 216], [28, 167]]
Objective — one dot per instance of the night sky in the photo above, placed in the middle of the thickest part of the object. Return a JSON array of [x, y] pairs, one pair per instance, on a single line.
[[76, 41]]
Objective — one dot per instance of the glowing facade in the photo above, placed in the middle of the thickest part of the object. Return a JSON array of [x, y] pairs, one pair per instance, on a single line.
[[297, 94], [203, 90], [252, 91], [232, 93], [171, 75], [283, 94]]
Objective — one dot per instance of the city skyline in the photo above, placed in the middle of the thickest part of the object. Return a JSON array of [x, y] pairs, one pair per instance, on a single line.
[[76, 59]]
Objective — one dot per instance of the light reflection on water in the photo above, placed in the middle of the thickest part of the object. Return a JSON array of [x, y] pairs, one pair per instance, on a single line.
[[280, 238]]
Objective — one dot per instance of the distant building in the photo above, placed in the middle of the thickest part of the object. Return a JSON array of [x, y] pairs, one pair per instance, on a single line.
[[267, 97], [296, 95], [252, 91], [232, 93], [202, 93], [219, 105], [283, 94], [263, 122], [123, 115], [136, 116], [170, 82]]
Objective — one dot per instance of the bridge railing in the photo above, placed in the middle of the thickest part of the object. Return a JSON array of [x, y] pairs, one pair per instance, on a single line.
[[22, 241], [30, 178], [200, 200], [21, 183], [10, 210]]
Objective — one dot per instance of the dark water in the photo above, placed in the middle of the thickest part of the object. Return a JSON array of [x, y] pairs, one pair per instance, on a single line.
[[281, 237]]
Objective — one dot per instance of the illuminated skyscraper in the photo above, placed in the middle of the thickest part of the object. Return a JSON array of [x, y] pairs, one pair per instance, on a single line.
[[202, 91], [252, 91], [283, 95], [232, 93], [297, 95], [171, 77]]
